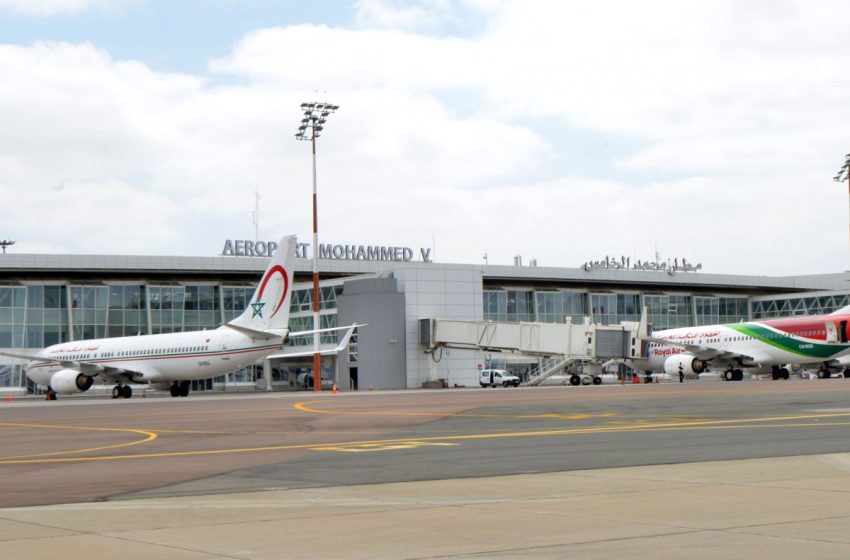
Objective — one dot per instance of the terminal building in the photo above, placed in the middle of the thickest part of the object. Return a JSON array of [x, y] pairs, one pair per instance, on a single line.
[[47, 299]]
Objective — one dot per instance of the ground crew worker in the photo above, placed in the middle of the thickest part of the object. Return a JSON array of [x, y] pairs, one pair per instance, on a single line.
[[681, 374]]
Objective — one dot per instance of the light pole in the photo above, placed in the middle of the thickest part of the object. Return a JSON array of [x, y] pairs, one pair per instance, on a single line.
[[315, 115], [844, 175]]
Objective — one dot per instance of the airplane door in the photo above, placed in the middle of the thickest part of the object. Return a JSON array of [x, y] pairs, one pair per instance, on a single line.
[[223, 346], [842, 331], [831, 332]]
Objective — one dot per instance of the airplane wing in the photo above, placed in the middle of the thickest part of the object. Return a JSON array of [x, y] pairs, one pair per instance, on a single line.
[[699, 350], [136, 372], [30, 357], [350, 328], [716, 356], [83, 367], [336, 349]]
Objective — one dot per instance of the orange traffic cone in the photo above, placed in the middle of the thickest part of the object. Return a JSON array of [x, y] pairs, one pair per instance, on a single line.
[[334, 389], [635, 379], [623, 380], [9, 398]]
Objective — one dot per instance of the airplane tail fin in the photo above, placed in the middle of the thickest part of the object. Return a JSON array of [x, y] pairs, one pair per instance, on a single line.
[[643, 326], [269, 308]]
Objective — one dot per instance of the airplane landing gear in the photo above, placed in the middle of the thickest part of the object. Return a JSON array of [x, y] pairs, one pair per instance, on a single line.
[[779, 373], [180, 389], [733, 375], [122, 391]]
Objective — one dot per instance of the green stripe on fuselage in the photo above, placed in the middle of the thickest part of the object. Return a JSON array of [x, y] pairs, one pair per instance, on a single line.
[[803, 347]]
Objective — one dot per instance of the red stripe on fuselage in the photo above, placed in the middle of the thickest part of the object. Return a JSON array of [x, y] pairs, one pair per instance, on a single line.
[[145, 358], [798, 326]]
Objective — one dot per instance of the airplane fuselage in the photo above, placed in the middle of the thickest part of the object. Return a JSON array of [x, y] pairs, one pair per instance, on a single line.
[[799, 340], [157, 358]]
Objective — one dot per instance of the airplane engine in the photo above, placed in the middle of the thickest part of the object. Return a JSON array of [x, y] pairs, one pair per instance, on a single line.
[[690, 365], [70, 381]]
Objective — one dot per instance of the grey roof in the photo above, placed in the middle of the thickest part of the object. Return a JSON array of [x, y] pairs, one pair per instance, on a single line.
[[23, 266], [679, 280]]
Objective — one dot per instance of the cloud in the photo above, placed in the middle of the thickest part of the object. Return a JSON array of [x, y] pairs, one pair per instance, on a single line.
[[427, 14], [49, 8], [732, 117]]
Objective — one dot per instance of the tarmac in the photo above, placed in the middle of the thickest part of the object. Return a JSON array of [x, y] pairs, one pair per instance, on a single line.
[[794, 507]]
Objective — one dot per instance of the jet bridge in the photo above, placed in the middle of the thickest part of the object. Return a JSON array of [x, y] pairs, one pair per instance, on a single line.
[[566, 343]]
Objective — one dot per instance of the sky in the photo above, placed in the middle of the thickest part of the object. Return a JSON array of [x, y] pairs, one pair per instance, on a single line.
[[561, 131]]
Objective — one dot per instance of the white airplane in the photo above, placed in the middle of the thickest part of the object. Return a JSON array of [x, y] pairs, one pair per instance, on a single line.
[[174, 359], [762, 346]]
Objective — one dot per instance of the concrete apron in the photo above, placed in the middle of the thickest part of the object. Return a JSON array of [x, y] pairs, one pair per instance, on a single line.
[[793, 507]]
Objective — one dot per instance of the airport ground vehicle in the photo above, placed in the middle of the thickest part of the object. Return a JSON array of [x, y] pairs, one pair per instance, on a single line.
[[496, 377]]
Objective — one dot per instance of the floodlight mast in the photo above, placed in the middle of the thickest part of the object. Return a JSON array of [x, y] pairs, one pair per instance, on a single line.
[[844, 175], [315, 116]]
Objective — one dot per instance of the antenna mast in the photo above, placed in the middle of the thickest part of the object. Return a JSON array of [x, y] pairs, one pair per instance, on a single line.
[[255, 215]]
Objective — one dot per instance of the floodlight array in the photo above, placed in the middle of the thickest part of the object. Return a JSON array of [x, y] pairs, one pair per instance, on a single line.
[[842, 174], [315, 117]]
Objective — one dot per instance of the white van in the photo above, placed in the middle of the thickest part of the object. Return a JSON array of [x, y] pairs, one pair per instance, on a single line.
[[496, 377]]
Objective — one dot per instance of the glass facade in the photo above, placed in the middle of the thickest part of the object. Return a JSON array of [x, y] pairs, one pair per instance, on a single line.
[[512, 306], [669, 311], [88, 311], [166, 304], [12, 316], [558, 307], [127, 314], [799, 305], [47, 317], [714, 310], [611, 308], [301, 319], [665, 311], [39, 315]]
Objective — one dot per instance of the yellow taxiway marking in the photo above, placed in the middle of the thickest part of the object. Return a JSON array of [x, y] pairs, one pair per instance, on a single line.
[[381, 446], [740, 423], [149, 436], [305, 407]]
